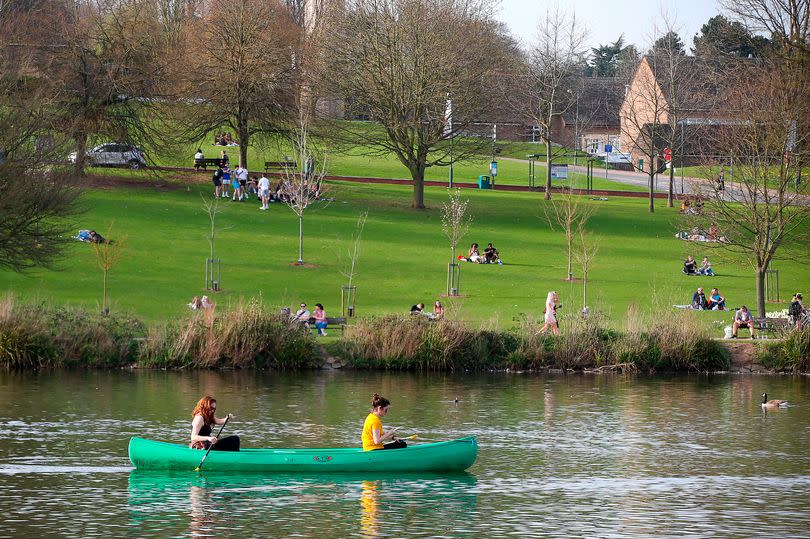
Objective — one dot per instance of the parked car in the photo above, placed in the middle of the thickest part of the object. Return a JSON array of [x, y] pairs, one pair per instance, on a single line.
[[113, 154]]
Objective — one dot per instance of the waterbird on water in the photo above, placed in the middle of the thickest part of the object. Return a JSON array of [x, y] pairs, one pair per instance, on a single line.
[[773, 403]]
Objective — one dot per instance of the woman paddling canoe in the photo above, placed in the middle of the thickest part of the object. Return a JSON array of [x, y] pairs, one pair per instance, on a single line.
[[373, 435], [204, 419]]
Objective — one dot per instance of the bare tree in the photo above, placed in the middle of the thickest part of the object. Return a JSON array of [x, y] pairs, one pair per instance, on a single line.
[[587, 249], [212, 210], [399, 63], [786, 20], [302, 186], [762, 217], [106, 61], [570, 212], [108, 254], [239, 71], [549, 75], [353, 252], [455, 219]]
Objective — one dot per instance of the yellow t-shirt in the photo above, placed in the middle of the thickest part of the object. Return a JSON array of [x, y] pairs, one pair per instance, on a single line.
[[372, 423]]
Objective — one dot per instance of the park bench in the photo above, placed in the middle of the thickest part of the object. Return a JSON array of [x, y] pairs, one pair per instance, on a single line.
[[278, 165], [339, 323], [771, 326], [204, 163]]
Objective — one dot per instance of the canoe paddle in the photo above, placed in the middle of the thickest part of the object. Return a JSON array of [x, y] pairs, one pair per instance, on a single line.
[[197, 469], [411, 437]]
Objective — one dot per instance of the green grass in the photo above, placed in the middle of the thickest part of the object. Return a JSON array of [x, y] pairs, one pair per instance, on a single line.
[[357, 162], [404, 256]]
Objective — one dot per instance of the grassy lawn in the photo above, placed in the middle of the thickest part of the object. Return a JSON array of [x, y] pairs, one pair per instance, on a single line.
[[403, 261], [356, 162]]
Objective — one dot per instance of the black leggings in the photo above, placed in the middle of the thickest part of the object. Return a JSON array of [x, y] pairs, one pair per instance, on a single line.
[[399, 444], [229, 443]]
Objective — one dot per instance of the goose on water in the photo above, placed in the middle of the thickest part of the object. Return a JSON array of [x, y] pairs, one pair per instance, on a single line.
[[773, 403]]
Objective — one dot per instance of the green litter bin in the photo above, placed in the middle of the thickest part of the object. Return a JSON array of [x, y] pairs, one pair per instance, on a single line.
[[483, 182]]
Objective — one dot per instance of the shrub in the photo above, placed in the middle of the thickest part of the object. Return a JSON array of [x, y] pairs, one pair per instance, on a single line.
[[36, 336], [790, 354], [244, 336]]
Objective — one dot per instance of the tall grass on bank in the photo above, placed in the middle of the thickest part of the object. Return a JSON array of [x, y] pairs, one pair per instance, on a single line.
[[244, 336], [38, 336], [414, 342], [790, 354]]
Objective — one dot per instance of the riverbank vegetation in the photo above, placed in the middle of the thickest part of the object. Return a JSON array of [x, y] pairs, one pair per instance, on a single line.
[[790, 354], [250, 336]]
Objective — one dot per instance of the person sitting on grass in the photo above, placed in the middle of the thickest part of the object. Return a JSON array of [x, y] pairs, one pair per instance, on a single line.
[[196, 304], [418, 308], [320, 319], [699, 301], [706, 267], [206, 303], [474, 255], [492, 255], [373, 437], [689, 265], [716, 301], [438, 311], [743, 319]]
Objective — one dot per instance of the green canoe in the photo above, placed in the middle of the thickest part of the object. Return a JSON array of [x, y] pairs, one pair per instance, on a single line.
[[452, 456]]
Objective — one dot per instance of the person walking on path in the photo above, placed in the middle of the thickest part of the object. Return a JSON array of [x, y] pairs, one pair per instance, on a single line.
[[550, 314]]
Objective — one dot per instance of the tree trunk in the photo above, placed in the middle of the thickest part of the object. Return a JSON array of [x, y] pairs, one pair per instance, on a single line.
[[81, 153], [584, 290], [418, 176], [300, 239], [760, 273], [652, 188], [244, 138], [548, 169], [671, 190], [104, 309], [570, 239]]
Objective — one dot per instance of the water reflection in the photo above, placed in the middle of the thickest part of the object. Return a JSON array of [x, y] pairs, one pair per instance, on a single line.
[[215, 503]]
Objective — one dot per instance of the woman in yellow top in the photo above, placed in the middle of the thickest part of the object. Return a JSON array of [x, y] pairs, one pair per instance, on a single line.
[[373, 435]]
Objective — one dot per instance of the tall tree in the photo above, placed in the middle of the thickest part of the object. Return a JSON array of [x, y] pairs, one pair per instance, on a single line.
[[406, 64], [670, 41], [763, 218], [721, 37], [604, 59], [549, 75], [106, 61], [239, 71]]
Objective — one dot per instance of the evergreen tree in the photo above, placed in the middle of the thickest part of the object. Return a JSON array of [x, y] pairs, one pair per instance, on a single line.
[[721, 37], [670, 41]]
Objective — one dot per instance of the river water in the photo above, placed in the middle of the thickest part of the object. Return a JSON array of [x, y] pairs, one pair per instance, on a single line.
[[573, 456]]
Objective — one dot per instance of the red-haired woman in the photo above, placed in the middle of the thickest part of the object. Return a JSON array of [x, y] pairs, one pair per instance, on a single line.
[[201, 428]]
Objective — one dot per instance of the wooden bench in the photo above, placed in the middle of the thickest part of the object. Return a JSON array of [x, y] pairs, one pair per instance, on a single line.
[[338, 323], [771, 326], [278, 165], [204, 163]]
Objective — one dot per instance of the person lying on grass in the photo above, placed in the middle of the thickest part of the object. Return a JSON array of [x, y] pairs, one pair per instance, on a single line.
[[373, 436]]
